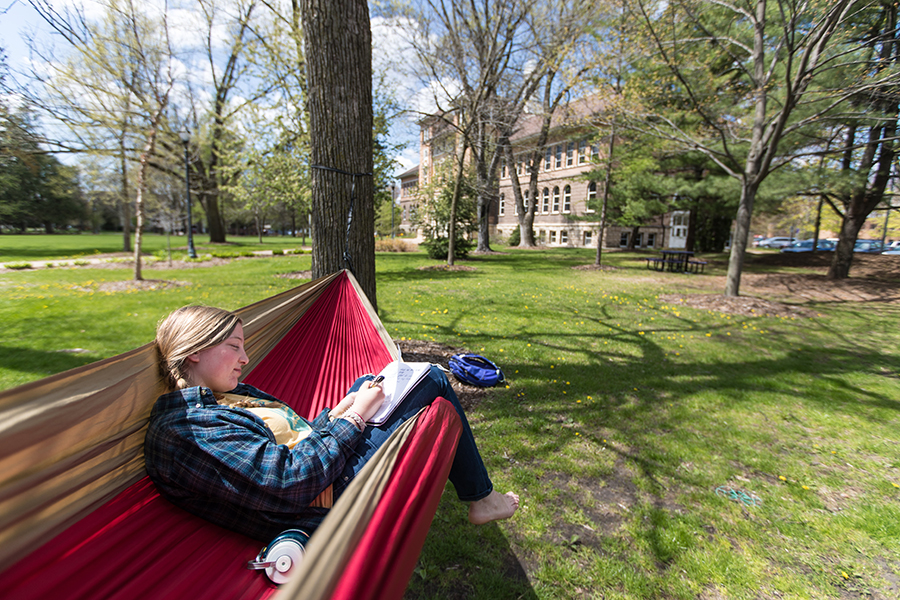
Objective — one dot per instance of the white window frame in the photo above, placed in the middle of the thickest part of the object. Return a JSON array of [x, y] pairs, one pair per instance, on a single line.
[[564, 236], [567, 199], [545, 201], [559, 151], [548, 158], [588, 238], [502, 205], [582, 152], [623, 239], [570, 154], [552, 236], [591, 196], [555, 206]]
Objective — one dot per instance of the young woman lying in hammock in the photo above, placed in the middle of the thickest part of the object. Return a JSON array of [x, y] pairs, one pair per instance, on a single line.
[[238, 457]]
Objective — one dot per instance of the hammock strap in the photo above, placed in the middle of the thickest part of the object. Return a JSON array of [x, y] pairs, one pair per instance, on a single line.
[[347, 258]]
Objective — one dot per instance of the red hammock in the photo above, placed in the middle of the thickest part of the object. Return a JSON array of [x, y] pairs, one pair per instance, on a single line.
[[137, 545]]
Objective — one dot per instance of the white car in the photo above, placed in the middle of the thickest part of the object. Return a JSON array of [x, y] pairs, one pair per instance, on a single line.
[[776, 242]]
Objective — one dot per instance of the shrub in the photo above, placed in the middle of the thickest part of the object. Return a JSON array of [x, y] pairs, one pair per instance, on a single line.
[[514, 238], [392, 245], [438, 247], [277, 252], [18, 266]]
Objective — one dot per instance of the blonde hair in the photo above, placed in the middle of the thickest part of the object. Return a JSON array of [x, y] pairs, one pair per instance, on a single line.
[[186, 331]]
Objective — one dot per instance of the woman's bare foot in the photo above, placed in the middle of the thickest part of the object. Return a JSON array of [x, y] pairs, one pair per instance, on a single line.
[[493, 507]]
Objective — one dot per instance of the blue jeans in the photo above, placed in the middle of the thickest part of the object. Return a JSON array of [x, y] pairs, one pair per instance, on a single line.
[[467, 473]]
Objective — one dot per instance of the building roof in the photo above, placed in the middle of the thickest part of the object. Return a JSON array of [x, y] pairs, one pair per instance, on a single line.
[[409, 173], [576, 113]]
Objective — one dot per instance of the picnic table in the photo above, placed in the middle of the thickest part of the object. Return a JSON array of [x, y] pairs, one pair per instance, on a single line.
[[676, 261]]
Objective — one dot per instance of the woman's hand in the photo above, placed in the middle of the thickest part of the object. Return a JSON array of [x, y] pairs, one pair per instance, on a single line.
[[367, 401]]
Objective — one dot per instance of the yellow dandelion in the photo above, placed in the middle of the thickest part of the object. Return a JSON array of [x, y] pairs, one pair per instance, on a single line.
[[782, 477]]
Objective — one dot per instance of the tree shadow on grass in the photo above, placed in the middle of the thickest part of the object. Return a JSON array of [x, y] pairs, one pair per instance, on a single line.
[[42, 363]]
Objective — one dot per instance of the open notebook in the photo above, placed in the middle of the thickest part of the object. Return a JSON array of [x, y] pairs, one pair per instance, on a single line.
[[399, 379]]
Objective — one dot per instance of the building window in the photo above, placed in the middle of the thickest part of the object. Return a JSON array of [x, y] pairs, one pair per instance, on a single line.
[[559, 150], [582, 152], [545, 208], [570, 154], [623, 240], [502, 205], [651, 240], [525, 196], [548, 158], [542, 235], [567, 199], [639, 239], [556, 199], [595, 151], [587, 238], [563, 237], [591, 197], [552, 237], [503, 169]]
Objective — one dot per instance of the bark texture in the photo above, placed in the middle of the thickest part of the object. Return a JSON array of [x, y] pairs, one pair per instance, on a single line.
[[338, 49]]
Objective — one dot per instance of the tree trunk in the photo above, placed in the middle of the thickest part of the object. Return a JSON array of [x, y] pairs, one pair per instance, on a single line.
[[739, 242], [124, 212], [818, 224], [607, 184], [454, 202], [338, 50]]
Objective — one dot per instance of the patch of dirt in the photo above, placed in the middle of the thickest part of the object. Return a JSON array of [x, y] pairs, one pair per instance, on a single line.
[[595, 268], [297, 275], [143, 285], [447, 268], [874, 278], [746, 306], [423, 351]]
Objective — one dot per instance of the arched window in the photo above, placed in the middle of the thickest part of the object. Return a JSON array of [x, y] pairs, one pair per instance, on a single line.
[[502, 205], [556, 199], [567, 199], [545, 207], [591, 197]]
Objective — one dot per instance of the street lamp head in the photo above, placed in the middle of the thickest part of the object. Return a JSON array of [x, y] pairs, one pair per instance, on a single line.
[[185, 135]]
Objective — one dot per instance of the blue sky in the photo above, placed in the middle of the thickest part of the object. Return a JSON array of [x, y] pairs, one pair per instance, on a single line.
[[17, 18]]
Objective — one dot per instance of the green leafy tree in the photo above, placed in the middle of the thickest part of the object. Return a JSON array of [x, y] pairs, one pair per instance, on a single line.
[[747, 84], [436, 211]]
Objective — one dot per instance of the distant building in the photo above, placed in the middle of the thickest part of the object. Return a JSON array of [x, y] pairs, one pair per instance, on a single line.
[[562, 217]]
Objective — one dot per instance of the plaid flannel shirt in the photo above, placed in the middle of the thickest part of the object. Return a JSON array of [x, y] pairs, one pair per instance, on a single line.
[[223, 464]]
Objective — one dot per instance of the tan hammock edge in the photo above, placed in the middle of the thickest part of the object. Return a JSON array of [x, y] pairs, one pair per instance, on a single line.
[[335, 539], [74, 440]]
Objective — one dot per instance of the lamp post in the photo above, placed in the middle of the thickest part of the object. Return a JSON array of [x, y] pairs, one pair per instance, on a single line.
[[392, 210], [185, 135]]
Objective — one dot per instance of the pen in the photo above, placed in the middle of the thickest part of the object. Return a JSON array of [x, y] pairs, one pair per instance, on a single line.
[[376, 381]]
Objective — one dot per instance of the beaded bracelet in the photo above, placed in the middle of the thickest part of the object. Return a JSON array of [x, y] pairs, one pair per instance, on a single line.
[[355, 419]]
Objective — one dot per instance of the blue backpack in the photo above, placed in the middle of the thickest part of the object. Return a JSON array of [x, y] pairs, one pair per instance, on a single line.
[[475, 370]]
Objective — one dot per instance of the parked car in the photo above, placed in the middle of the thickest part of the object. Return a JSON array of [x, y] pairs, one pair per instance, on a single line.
[[895, 252], [807, 246], [775, 242], [868, 246]]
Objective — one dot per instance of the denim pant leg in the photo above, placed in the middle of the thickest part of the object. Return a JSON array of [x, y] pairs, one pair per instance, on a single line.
[[467, 473]]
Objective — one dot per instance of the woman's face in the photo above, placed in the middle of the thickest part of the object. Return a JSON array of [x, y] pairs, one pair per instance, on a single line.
[[219, 367]]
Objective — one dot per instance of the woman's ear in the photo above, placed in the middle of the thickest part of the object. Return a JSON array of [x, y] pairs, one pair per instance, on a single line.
[[195, 357]]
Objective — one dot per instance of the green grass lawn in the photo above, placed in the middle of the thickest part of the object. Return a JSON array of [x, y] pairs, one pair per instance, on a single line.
[[24, 248], [623, 424]]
